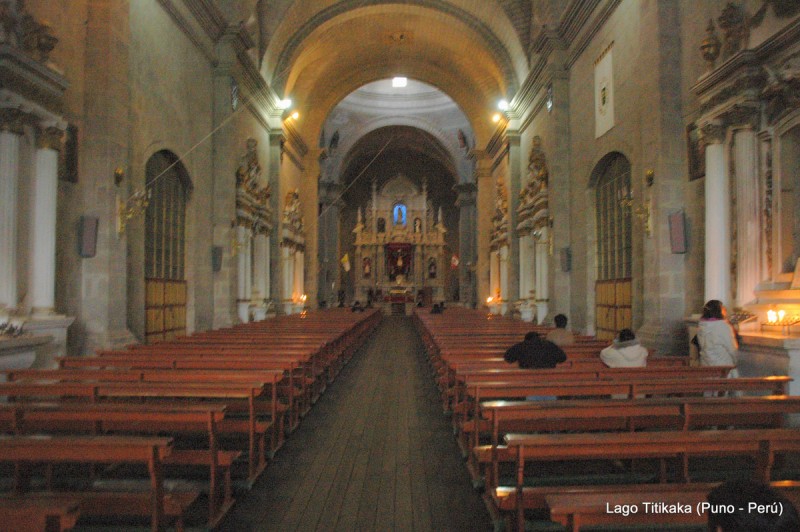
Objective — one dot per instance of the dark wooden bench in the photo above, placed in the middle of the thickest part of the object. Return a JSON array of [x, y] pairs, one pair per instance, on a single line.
[[26, 450], [50, 512], [762, 444], [176, 418]]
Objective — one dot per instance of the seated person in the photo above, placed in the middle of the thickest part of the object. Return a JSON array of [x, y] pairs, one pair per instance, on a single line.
[[535, 352], [625, 352], [740, 494], [357, 307], [436, 309], [561, 335]]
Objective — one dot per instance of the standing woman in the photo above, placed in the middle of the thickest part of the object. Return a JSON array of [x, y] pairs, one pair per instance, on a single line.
[[716, 338]]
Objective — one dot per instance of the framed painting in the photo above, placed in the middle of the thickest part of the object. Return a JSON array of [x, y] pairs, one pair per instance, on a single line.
[[696, 152]]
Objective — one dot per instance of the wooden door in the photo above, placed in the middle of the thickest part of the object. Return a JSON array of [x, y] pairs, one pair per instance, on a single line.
[[613, 303]]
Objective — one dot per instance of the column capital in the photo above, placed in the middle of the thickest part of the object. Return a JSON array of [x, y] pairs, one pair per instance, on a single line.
[[465, 194], [12, 120], [49, 138], [713, 132], [743, 116]]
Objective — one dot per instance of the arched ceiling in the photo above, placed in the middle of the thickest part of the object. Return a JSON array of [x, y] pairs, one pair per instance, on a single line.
[[418, 105], [470, 49], [389, 151]]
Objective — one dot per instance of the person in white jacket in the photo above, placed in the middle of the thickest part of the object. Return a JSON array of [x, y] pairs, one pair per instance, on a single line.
[[625, 352], [716, 338]]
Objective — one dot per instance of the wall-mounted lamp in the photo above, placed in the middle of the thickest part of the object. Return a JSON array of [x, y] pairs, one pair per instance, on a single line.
[[649, 177], [285, 103], [502, 105], [497, 117]]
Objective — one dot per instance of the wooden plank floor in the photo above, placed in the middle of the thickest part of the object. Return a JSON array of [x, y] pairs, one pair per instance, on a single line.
[[375, 453]]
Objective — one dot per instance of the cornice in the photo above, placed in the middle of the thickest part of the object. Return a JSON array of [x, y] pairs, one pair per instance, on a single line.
[[188, 29], [579, 44], [209, 16], [748, 59], [20, 74]]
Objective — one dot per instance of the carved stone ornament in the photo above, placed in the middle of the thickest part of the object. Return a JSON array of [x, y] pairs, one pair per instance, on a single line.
[[19, 29], [252, 200], [292, 213], [712, 133], [735, 27], [49, 138], [782, 9], [533, 199], [782, 89], [12, 119], [710, 46], [499, 234], [742, 115]]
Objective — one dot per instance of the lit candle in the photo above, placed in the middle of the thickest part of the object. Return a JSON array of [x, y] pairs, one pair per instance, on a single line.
[[771, 316]]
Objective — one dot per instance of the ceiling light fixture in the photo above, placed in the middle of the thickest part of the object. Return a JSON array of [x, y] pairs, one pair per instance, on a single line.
[[502, 105], [285, 104], [399, 82], [496, 117]]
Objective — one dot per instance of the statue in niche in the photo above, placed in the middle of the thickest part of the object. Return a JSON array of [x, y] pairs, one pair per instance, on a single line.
[[417, 225], [399, 214], [367, 266], [735, 26], [537, 164], [249, 172], [292, 212], [432, 268], [381, 225]]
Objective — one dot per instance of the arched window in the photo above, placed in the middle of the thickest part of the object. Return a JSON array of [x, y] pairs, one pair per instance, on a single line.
[[614, 253], [164, 247]]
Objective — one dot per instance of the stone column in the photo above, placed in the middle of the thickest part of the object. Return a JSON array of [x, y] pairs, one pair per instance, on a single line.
[[260, 268], [514, 183], [525, 266], [484, 208], [505, 269], [329, 246], [542, 274], [10, 132], [717, 219], [43, 223], [748, 216], [243, 261], [287, 277], [465, 201], [299, 277], [494, 274], [277, 251]]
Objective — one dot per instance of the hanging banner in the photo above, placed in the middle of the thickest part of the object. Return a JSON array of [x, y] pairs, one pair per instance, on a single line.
[[603, 93]]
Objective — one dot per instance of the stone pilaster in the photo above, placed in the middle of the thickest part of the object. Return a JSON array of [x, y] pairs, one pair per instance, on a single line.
[[465, 201], [484, 208], [10, 132], [276, 250], [514, 186], [105, 146], [244, 273], [717, 216]]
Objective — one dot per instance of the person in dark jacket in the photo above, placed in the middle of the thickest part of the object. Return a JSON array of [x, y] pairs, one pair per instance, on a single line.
[[535, 352]]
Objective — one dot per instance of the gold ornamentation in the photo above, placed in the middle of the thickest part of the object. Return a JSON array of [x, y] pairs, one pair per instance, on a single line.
[[641, 211], [134, 206]]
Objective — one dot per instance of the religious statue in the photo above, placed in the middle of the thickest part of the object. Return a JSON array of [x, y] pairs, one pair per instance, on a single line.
[[432, 268], [417, 225], [292, 212], [366, 266], [537, 164], [399, 214]]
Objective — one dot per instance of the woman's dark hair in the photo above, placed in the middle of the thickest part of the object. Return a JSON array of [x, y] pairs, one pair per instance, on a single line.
[[626, 335], [712, 309]]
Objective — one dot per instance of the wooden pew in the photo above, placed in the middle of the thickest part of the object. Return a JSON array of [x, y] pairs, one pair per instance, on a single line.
[[177, 418], [761, 444], [24, 450], [242, 395], [51, 512], [575, 509]]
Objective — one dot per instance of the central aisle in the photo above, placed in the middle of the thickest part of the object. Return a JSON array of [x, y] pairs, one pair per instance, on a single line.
[[375, 453]]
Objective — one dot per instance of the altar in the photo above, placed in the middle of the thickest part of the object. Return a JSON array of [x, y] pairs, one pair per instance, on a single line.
[[399, 247]]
